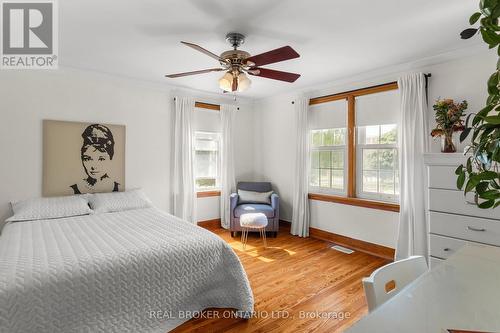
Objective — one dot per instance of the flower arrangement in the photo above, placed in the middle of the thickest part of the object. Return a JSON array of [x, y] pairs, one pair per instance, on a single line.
[[449, 120]]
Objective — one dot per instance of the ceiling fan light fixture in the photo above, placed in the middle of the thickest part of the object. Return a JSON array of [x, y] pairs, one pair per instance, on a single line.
[[226, 82], [243, 82]]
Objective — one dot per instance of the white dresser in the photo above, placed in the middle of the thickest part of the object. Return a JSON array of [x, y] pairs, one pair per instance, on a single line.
[[453, 219]]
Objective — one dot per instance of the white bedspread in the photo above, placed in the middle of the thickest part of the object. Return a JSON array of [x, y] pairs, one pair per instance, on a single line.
[[114, 272]]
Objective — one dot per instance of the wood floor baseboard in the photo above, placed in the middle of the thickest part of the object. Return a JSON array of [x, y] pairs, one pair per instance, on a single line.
[[285, 224], [210, 224], [355, 244]]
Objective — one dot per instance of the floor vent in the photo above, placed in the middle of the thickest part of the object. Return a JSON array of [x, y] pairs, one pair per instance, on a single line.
[[342, 249]]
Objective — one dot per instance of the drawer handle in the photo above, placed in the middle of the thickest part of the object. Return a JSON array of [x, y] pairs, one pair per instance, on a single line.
[[446, 249], [475, 229]]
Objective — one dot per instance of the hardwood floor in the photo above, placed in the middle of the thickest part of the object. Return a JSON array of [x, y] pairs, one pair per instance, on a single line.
[[294, 277]]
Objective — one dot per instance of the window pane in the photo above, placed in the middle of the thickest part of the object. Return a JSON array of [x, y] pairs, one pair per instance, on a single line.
[[338, 179], [325, 160], [371, 134], [328, 136], [316, 138], [206, 164], [387, 158], [315, 159], [314, 177], [338, 159], [388, 134], [202, 183], [324, 177], [207, 145], [396, 182], [386, 182], [370, 181], [370, 159], [339, 136], [206, 159]]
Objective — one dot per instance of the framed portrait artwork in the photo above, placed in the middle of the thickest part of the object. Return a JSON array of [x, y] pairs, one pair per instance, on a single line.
[[82, 158]]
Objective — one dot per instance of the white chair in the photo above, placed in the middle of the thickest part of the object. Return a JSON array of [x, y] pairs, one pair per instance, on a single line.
[[255, 221], [388, 280]]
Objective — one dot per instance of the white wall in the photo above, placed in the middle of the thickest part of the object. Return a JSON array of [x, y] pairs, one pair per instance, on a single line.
[[463, 78], [28, 97]]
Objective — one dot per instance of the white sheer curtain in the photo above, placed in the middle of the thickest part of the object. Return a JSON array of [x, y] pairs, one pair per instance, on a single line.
[[183, 175], [414, 132], [228, 182], [300, 213]]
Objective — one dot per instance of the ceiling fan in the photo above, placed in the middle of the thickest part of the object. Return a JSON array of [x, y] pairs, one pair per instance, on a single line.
[[237, 62]]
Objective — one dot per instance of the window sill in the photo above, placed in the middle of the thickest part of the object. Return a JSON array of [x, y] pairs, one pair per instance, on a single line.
[[205, 194], [355, 202]]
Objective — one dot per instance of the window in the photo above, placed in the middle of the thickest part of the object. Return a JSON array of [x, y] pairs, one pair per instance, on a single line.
[[206, 160], [378, 169], [354, 147], [328, 160]]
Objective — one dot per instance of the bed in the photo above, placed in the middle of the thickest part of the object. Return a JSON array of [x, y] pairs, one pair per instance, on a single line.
[[139, 270]]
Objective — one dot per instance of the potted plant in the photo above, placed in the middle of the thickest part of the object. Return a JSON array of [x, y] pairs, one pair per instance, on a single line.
[[481, 173], [449, 120]]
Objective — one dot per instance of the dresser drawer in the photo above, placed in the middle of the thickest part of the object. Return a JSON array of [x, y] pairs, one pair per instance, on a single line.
[[449, 201], [442, 176], [434, 262], [465, 227], [443, 247]]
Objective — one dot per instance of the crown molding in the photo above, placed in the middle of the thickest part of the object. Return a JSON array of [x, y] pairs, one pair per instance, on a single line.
[[383, 74]]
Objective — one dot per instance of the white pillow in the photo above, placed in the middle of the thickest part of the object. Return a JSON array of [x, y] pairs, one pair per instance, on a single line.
[[49, 208], [119, 201], [254, 197]]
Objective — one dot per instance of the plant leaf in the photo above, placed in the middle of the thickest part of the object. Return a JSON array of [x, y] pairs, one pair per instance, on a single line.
[[469, 165], [473, 19], [468, 33], [489, 37], [482, 187], [495, 120], [471, 183], [465, 134], [490, 195], [486, 204], [461, 180], [487, 175]]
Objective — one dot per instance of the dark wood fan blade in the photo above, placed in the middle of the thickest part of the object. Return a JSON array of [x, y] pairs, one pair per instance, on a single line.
[[273, 74], [172, 76], [202, 50], [281, 54]]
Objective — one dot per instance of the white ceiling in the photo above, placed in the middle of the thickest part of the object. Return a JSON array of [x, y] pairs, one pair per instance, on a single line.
[[335, 38]]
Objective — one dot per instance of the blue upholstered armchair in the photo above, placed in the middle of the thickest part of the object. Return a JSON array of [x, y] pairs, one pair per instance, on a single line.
[[271, 211]]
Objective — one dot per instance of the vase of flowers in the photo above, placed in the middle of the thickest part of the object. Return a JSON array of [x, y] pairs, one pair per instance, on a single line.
[[449, 121]]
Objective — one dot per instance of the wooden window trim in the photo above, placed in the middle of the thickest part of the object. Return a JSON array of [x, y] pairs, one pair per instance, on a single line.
[[354, 93], [208, 106], [351, 147], [205, 194], [352, 199], [387, 206]]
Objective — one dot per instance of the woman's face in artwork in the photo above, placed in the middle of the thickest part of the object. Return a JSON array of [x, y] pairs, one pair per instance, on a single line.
[[95, 162]]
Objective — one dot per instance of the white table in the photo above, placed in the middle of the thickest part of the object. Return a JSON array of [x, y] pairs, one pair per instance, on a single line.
[[462, 292]]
